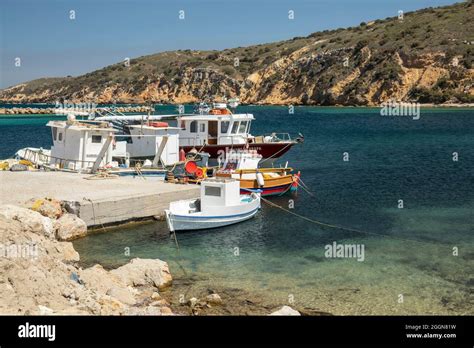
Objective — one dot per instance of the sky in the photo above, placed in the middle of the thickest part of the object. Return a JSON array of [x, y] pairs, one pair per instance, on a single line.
[[51, 44]]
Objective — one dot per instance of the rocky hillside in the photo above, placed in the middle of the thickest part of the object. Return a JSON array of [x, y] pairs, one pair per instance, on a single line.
[[426, 57]]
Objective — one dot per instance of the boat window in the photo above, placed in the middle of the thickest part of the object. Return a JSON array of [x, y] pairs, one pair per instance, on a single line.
[[193, 127], [202, 127], [224, 126], [60, 136], [97, 139], [212, 191], [235, 126], [55, 133], [243, 127]]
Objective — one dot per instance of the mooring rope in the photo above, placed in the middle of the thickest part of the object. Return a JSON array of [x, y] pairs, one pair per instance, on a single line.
[[305, 189], [320, 223], [176, 240], [303, 184], [276, 153]]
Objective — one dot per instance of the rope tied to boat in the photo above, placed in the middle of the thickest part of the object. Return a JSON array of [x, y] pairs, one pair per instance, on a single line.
[[276, 153], [324, 224]]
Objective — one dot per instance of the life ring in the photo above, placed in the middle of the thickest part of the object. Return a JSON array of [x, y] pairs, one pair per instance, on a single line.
[[191, 167]]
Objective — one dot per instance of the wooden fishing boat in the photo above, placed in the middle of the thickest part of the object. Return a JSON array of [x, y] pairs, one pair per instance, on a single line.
[[270, 181]]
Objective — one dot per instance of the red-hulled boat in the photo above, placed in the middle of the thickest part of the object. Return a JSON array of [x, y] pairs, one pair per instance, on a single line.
[[219, 132]]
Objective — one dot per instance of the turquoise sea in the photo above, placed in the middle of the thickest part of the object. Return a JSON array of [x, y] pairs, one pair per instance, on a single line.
[[410, 253]]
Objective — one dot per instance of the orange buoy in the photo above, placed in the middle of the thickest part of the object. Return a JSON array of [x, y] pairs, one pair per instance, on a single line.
[[199, 172], [191, 167]]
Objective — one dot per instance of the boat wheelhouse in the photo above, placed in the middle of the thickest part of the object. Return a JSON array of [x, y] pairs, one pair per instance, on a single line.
[[214, 129], [154, 138]]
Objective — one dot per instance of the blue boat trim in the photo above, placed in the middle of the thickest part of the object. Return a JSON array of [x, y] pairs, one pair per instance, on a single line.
[[287, 188], [214, 217]]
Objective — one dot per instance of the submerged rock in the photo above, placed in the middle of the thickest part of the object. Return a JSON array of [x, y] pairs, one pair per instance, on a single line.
[[70, 227], [214, 299], [286, 310], [192, 302]]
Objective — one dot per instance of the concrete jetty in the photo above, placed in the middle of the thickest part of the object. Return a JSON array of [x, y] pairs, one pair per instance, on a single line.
[[97, 202]]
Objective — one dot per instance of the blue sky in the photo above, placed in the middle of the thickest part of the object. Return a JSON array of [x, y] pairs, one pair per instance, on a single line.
[[107, 31]]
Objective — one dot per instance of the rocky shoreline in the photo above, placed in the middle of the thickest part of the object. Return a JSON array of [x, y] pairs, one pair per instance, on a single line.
[[144, 109], [40, 274], [54, 111]]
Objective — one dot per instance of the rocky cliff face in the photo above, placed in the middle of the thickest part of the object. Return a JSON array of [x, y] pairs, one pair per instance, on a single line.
[[424, 57]]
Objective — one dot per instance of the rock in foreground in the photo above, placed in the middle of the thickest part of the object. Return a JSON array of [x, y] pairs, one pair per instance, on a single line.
[[145, 272], [39, 274], [70, 227]]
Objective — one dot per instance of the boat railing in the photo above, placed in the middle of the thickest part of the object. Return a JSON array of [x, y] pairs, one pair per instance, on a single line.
[[39, 158], [265, 170], [196, 141], [239, 139], [278, 137]]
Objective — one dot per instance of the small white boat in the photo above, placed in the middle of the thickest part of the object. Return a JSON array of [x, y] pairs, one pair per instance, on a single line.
[[220, 204]]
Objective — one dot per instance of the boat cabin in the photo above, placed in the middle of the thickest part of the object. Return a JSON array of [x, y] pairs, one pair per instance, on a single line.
[[217, 128], [219, 192], [156, 138], [78, 145]]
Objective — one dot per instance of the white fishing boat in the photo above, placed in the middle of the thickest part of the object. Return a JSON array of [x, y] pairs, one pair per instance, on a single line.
[[78, 146], [220, 204], [214, 129]]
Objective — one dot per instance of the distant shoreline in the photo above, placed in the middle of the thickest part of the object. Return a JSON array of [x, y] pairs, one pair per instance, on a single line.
[[17, 110]]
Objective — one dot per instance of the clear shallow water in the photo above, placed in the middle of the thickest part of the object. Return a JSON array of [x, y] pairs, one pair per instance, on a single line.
[[281, 255]]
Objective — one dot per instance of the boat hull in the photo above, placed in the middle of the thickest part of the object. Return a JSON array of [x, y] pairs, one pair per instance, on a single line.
[[268, 191], [188, 222], [273, 186], [269, 151]]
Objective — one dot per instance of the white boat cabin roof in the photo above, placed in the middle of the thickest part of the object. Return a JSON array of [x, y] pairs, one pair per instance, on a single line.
[[81, 126]]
